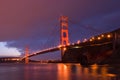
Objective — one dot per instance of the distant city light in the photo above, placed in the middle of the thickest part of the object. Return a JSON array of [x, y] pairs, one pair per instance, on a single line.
[[77, 47]]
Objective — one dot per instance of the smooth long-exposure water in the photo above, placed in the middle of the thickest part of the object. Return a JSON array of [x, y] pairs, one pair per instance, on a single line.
[[37, 71]]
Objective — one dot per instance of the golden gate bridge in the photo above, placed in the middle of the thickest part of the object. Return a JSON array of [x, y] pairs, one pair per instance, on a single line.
[[65, 44]]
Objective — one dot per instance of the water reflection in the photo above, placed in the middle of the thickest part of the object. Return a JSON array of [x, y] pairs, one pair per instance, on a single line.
[[39, 71], [77, 72], [26, 73], [63, 72]]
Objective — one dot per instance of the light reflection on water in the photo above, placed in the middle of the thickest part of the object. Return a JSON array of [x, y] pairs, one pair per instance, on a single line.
[[38, 71], [77, 72]]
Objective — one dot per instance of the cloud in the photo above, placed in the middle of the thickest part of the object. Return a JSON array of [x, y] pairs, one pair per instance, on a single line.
[[8, 52]]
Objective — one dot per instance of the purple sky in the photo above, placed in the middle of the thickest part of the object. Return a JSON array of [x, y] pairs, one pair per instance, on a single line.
[[36, 22]]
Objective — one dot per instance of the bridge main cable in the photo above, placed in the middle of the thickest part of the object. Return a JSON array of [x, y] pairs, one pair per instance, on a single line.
[[43, 51]]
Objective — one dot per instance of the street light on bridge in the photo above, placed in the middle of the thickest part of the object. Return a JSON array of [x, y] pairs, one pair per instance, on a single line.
[[99, 38], [108, 36], [85, 40], [91, 40], [64, 48], [78, 42], [102, 35]]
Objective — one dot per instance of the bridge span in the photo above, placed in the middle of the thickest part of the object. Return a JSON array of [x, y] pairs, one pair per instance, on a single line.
[[102, 44], [96, 48], [43, 52]]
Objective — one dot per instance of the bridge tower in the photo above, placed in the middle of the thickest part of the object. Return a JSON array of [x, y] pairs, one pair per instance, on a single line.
[[64, 37], [26, 55]]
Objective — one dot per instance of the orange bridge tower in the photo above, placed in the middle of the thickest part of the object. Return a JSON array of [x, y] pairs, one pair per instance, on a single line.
[[26, 55], [64, 37]]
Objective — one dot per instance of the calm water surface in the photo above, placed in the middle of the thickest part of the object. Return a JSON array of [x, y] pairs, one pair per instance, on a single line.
[[37, 71]]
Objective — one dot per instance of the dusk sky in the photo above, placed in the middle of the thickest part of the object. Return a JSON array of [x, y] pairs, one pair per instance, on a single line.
[[36, 23]]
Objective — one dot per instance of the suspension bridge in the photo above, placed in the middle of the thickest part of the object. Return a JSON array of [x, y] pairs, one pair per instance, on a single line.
[[107, 39], [96, 49]]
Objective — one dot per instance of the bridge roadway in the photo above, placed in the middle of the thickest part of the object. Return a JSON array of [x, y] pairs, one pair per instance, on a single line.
[[106, 38], [84, 44], [74, 45]]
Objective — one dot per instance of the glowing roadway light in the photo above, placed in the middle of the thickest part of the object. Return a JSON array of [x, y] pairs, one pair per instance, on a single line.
[[59, 46], [108, 35], [91, 40], [99, 38], [102, 35], [64, 49], [84, 40], [78, 42]]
